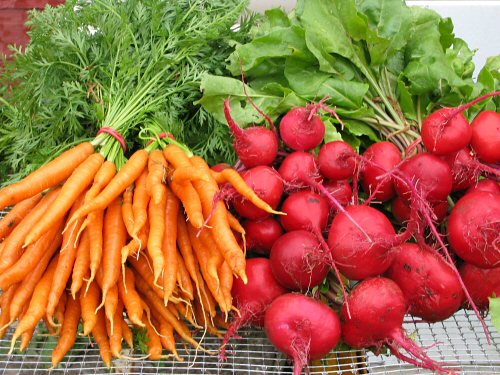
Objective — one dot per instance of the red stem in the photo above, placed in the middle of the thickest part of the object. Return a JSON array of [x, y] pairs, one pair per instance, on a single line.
[[268, 119], [237, 131], [466, 106]]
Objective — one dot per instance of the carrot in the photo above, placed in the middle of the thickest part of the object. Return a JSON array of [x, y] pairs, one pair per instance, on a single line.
[[26, 339], [176, 156], [127, 213], [169, 245], [127, 333], [205, 296], [5, 319], [154, 343], [51, 174], [125, 177], [65, 264], [95, 240], [215, 258], [217, 176], [110, 302], [188, 174], [115, 334], [131, 299], [203, 319], [27, 286], [184, 245], [60, 308], [82, 263], [142, 267], [101, 337], [158, 308], [226, 283], [167, 337], [183, 278], [115, 236], [235, 224], [234, 178], [74, 186], [48, 243], [156, 236], [202, 253], [218, 221], [13, 243], [89, 302], [157, 166], [135, 244], [16, 214], [68, 331], [140, 202], [37, 306], [191, 202]]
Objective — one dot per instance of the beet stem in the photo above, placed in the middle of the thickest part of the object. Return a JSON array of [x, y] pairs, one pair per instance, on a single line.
[[340, 208], [237, 131], [466, 106]]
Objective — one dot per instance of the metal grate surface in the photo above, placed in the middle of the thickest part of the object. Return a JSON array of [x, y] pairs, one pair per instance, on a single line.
[[463, 346]]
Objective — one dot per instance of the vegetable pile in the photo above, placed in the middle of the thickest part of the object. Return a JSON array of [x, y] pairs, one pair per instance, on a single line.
[[365, 185]]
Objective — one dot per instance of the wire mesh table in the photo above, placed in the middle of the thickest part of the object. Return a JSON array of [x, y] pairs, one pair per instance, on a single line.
[[462, 345]]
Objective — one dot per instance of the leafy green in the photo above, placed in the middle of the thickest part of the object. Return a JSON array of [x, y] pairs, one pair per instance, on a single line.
[[82, 55], [382, 64]]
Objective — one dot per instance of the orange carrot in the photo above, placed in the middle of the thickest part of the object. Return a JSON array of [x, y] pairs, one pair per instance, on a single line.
[[226, 283], [125, 177], [215, 258], [13, 244], [202, 253], [176, 156], [218, 221], [191, 202], [48, 243], [183, 278], [142, 267], [156, 305], [115, 334], [127, 213], [18, 213], [135, 244], [51, 174], [60, 308], [140, 202], [169, 245], [37, 306], [103, 176], [5, 319], [234, 178], [205, 296], [131, 299], [205, 320], [95, 240], [110, 302], [154, 343], [101, 337], [127, 333], [74, 186], [65, 264], [184, 244], [157, 167], [156, 236], [68, 331], [167, 337], [89, 302], [115, 236], [235, 224], [26, 288], [188, 174], [82, 263]]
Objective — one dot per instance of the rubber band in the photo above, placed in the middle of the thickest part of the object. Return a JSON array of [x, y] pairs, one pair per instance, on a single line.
[[112, 132]]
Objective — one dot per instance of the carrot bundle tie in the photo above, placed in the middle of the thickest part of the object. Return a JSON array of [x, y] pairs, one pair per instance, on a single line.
[[115, 134]]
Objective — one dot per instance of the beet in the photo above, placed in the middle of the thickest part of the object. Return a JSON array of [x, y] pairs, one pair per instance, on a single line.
[[302, 129], [481, 283], [298, 261], [377, 310], [337, 160], [430, 285], [262, 234], [486, 136], [302, 328], [305, 210]]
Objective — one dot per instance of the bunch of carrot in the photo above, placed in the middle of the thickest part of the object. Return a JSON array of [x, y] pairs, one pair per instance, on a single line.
[[151, 244]]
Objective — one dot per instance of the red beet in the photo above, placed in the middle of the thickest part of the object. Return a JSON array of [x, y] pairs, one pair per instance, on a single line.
[[430, 285], [481, 283], [377, 309], [302, 328], [486, 185], [262, 234], [302, 129], [305, 210], [486, 136], [298, 261], [337, 160]]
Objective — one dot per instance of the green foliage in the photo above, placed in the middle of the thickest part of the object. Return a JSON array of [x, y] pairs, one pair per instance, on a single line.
[[382, 64], [82, 55]]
